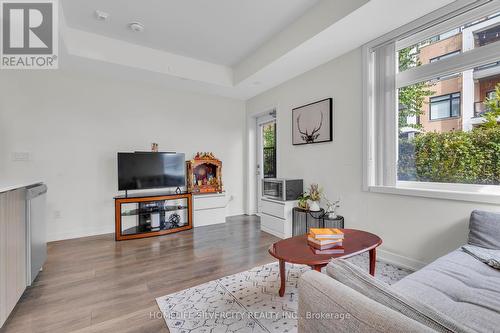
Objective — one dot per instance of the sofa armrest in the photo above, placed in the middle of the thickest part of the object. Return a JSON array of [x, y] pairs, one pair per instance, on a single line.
[[326, 305], [484, 229]]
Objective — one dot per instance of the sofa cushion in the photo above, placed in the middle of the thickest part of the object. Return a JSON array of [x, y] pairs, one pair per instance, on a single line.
[[359, 280], [464, 288], [484, 229]]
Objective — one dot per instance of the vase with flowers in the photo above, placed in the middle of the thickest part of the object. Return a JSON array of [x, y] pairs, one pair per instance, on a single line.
[[315, 194]]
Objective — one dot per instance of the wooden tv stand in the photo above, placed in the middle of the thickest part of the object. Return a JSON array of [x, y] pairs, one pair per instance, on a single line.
[[154, 214]]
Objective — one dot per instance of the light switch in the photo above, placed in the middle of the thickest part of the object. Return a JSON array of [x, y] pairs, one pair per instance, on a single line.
[[20, 157]]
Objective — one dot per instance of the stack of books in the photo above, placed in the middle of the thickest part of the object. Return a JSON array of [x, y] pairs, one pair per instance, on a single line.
[[326, 240]]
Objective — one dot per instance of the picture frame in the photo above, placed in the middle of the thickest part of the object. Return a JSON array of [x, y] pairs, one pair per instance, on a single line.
[[313, 123]]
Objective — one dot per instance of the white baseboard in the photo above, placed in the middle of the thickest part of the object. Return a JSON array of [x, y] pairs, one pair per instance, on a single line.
[[236, 213], [78, 234], [272, 232], [399, 260]]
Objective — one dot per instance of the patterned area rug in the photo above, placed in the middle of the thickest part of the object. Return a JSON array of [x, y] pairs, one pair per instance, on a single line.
[[248, 301]]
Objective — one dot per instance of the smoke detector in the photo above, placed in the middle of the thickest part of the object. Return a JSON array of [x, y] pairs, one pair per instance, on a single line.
[[101, 16], [136, 26]]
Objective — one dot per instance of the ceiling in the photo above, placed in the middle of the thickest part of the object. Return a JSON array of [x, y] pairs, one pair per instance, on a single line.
[[222, 32], [232, 48]]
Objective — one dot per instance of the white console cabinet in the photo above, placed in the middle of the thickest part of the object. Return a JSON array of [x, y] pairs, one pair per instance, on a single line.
[[276, 217], [209, 209]]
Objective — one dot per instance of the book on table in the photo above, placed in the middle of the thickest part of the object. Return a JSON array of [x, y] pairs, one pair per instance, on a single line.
[[322, 244], [326, 233], [334, 250], [324, 241]]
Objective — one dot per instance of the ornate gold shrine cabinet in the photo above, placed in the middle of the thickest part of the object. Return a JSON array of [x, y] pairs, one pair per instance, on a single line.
[[204, 174]]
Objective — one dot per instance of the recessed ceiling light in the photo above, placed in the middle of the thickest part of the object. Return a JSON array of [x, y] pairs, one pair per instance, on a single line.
[[101, 16], [136, 26]]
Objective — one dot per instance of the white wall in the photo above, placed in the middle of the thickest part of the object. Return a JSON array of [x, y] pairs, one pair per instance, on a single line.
[[414, 230], [73, 125]]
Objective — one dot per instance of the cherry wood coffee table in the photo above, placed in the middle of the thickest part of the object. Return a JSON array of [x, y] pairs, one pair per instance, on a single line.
[[295, 250]]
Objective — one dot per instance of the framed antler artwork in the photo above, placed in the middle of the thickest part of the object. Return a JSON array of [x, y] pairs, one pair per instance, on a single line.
[[312, 123]]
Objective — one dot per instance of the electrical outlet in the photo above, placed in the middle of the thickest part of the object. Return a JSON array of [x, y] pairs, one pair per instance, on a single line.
[[20, 156], [57, 214]]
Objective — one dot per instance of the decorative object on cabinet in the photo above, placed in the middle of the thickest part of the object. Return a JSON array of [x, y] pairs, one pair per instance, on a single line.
[[204, 174], [154, 147], [141, 215], [315, 193], [302, 202], [331, 207], [312, 123], [174, 220]]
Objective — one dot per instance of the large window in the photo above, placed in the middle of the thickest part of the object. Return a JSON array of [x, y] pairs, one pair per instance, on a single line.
[[430, 114], [445, 106]]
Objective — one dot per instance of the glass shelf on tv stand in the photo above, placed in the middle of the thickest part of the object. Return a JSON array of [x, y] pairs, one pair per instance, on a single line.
[[152, 211], [153, 216]]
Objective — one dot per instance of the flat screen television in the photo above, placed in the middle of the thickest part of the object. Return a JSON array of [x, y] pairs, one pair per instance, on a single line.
[[139, 171]]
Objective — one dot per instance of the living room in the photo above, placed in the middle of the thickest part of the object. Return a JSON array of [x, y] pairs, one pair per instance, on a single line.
[[380, 117]]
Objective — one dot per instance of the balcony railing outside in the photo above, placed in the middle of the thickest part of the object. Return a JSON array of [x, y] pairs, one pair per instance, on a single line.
[[270, 162]]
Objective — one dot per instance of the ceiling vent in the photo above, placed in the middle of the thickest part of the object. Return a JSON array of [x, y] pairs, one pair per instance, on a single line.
[[136, 26], [101, 16]]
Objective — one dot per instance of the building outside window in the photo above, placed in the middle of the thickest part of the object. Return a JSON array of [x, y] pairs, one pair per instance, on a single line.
[[475, 82]]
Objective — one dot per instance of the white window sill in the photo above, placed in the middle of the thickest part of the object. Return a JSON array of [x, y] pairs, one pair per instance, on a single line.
[[472, 193]]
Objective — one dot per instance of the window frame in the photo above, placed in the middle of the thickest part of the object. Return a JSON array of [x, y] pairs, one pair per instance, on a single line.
[[445, 56], [487, 95], [379, 93], [450, 104]]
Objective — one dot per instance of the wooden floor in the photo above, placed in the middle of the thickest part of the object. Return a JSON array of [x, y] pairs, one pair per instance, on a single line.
[[95, 284]]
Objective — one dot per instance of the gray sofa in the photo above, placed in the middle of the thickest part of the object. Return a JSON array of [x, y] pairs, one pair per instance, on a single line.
[[455, 293]]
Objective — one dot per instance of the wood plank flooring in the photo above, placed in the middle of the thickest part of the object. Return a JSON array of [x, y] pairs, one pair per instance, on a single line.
[[95, 284]]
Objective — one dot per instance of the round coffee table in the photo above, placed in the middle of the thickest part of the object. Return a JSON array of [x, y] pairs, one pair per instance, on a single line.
[[295, 250]]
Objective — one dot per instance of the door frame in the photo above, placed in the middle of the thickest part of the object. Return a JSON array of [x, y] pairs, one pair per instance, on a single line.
[[251, 157], [261, 122]]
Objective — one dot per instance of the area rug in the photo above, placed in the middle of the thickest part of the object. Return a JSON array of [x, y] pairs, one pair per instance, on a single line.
[[248, 301]]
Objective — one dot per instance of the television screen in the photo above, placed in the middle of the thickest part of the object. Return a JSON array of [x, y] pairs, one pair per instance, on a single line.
[[138, 171]]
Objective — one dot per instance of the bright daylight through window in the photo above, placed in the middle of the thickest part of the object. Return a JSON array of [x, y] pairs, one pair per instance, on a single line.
[[444, 84], [438, 142]]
